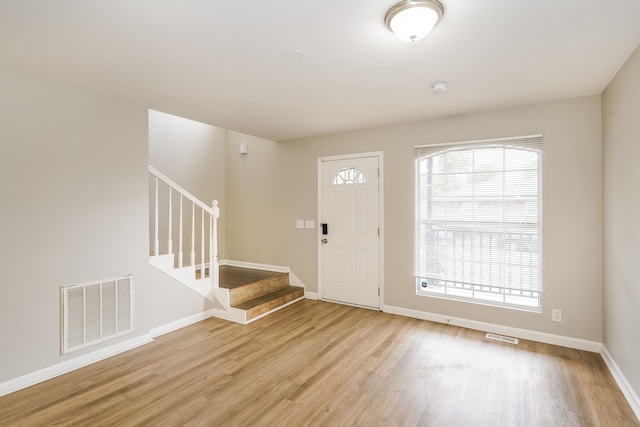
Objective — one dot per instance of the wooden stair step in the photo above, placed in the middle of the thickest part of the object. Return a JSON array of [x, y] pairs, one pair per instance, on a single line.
[[269, 301], [256, 289], [233, 277]]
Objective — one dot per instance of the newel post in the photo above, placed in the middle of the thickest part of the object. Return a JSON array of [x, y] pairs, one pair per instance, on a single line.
[[213, 246]]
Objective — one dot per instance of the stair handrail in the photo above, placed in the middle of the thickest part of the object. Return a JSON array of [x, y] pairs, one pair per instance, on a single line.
[[162, 177], [214, 214]]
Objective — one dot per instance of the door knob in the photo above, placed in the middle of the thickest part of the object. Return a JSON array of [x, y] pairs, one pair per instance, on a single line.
[[324, 240]]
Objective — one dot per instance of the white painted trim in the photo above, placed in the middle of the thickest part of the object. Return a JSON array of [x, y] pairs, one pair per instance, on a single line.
[[621, 380], [171, 183], [181, 323], [350, 304], [479, 141], [380, 156], [381, 228], [273, 310], [231, 315], [350, 156], [311, 295], [295, 281], [319, 222], [255, 266], [67, 366], [525, 334]]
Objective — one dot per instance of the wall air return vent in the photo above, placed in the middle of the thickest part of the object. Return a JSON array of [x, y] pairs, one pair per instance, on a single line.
[[95, 312]]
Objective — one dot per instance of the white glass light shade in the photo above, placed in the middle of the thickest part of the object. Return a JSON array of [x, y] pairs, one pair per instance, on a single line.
[[413, 20]]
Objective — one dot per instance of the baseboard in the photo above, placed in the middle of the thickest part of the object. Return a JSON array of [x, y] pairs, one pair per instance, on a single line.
[[621, 380], [67, 366], [311, 295], [525, 334], [256, 266], [45, 374], [232, 315], [181, 323]]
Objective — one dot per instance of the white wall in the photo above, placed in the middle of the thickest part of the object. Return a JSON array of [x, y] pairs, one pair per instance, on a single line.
[[192, 154], [73, 179], [621, 156], [276, 183]]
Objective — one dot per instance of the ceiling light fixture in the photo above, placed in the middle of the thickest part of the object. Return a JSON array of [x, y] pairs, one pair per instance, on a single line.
[[411, 20]]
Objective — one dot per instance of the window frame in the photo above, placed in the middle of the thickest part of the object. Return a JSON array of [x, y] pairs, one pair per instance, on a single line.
[[473, 291]]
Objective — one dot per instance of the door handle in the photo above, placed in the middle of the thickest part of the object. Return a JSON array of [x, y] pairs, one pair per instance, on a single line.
[[324, 241]]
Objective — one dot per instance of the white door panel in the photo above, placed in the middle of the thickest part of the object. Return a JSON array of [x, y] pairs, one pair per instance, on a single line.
[[350, 264]]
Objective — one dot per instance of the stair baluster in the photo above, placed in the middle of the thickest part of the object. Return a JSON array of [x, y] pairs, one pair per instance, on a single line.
[[170, 227], [162, 223], [156, 239], [202, 248], [180, 236], [214, 268], [246, 294], [192, 257]]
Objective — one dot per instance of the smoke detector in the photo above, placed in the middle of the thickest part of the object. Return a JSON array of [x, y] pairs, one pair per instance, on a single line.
[[440, 88]]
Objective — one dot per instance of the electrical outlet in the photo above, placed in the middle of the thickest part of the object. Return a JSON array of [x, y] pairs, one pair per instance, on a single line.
[[556, 315], [299, 223]]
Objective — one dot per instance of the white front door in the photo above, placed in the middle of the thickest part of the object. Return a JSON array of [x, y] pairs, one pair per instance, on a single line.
[[350, 249]]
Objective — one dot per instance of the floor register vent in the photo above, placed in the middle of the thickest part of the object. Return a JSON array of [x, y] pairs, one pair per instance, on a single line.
[[95, 312], [502, 338]]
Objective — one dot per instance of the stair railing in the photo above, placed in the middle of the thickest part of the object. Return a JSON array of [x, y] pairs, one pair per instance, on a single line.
[[204, 219]]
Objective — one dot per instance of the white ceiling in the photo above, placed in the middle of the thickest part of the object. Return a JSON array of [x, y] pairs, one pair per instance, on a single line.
[[224, 62]]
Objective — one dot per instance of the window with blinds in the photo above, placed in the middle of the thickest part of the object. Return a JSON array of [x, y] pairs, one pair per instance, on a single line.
[[478, 232]]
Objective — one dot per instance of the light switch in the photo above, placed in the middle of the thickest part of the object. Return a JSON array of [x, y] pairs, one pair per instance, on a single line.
[[309, 224], [299, 223]]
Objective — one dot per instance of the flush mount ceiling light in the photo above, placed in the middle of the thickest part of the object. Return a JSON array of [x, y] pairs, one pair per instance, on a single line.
[[411, 20]]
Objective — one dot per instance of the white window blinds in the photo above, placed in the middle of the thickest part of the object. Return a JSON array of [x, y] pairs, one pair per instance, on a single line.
[[478, 220]]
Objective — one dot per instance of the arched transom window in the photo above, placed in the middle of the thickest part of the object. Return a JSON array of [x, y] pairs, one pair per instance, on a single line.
[[349, 176]]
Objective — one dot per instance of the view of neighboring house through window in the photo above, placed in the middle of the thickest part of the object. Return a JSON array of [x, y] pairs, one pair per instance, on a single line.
[[478, 221]]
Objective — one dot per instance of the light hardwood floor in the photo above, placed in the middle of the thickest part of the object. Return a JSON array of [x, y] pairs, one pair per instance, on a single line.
[[317, 363]]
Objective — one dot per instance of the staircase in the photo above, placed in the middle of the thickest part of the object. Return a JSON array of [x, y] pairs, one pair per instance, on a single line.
[[257, 292], [189, 254]]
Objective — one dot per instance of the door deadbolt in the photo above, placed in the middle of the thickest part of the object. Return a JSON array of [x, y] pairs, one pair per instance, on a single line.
[[324, 241]]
